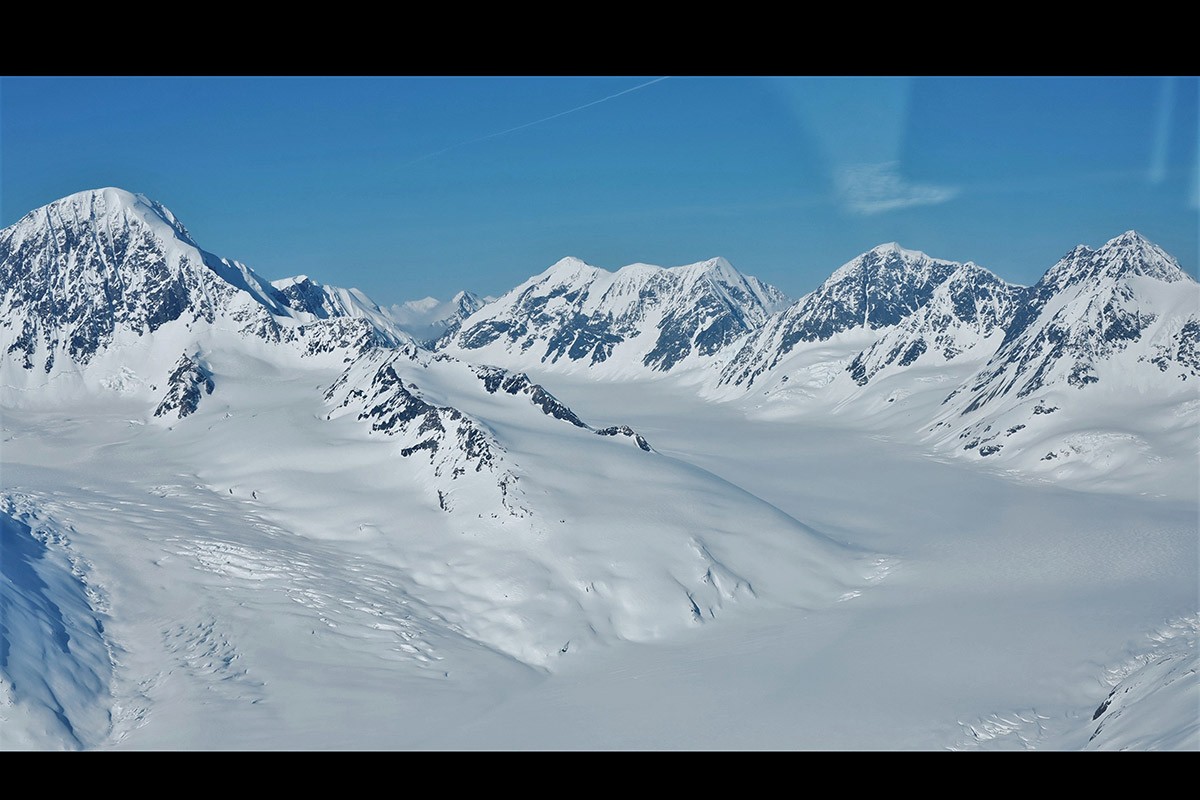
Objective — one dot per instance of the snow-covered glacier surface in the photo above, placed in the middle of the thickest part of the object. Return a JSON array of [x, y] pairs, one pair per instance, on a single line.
[[919, 508]]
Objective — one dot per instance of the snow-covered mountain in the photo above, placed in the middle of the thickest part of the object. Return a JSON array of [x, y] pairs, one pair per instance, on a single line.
[[1086, 310], [876, 290], [105, 281], [1099, 359], [640, 319], [964, 314], [430, 320]]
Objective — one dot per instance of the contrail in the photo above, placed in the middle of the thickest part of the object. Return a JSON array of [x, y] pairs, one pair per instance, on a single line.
[[538, 121]]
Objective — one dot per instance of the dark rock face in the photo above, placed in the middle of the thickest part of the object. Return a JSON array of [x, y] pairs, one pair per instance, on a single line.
[[497, 379], [625, 430], [73, 271], [1181, 353], [187, 383], [455, 444], [306, 295], [964, 310]]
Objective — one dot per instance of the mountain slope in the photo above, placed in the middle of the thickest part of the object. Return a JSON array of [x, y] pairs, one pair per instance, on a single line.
[[961, 317], [1087, 308], [876, 290]]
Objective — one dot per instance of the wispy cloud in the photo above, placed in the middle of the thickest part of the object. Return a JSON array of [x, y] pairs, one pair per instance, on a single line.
[[530, 124], [876, 188]]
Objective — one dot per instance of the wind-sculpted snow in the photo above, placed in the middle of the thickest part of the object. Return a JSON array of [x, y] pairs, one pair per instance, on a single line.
[[1154, 704], [638, 318], [55, 663], [242, 515], [1155, 698]]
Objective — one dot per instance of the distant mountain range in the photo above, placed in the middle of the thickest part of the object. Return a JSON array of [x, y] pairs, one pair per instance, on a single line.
[[99, 272]]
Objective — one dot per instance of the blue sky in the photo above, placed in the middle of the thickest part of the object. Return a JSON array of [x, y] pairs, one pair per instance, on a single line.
[[407, 187]]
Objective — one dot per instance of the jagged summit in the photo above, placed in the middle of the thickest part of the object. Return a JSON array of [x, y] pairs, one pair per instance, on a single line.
[[1121, 317], [886, 261], [1120, 257], [308, 296], [572, 268]]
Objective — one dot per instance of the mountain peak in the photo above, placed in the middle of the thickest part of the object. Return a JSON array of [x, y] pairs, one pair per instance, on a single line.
[[575, 312], [569, 270], [889, 261], [894, 248], [1129, 237], [111, 195], [111, 203], [1131, 253], [720, 267]]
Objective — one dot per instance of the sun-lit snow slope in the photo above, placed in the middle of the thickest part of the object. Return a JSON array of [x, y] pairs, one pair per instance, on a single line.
[[55, 664], [1005, 601], [276, 540], [106, 289], [638, 320]]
